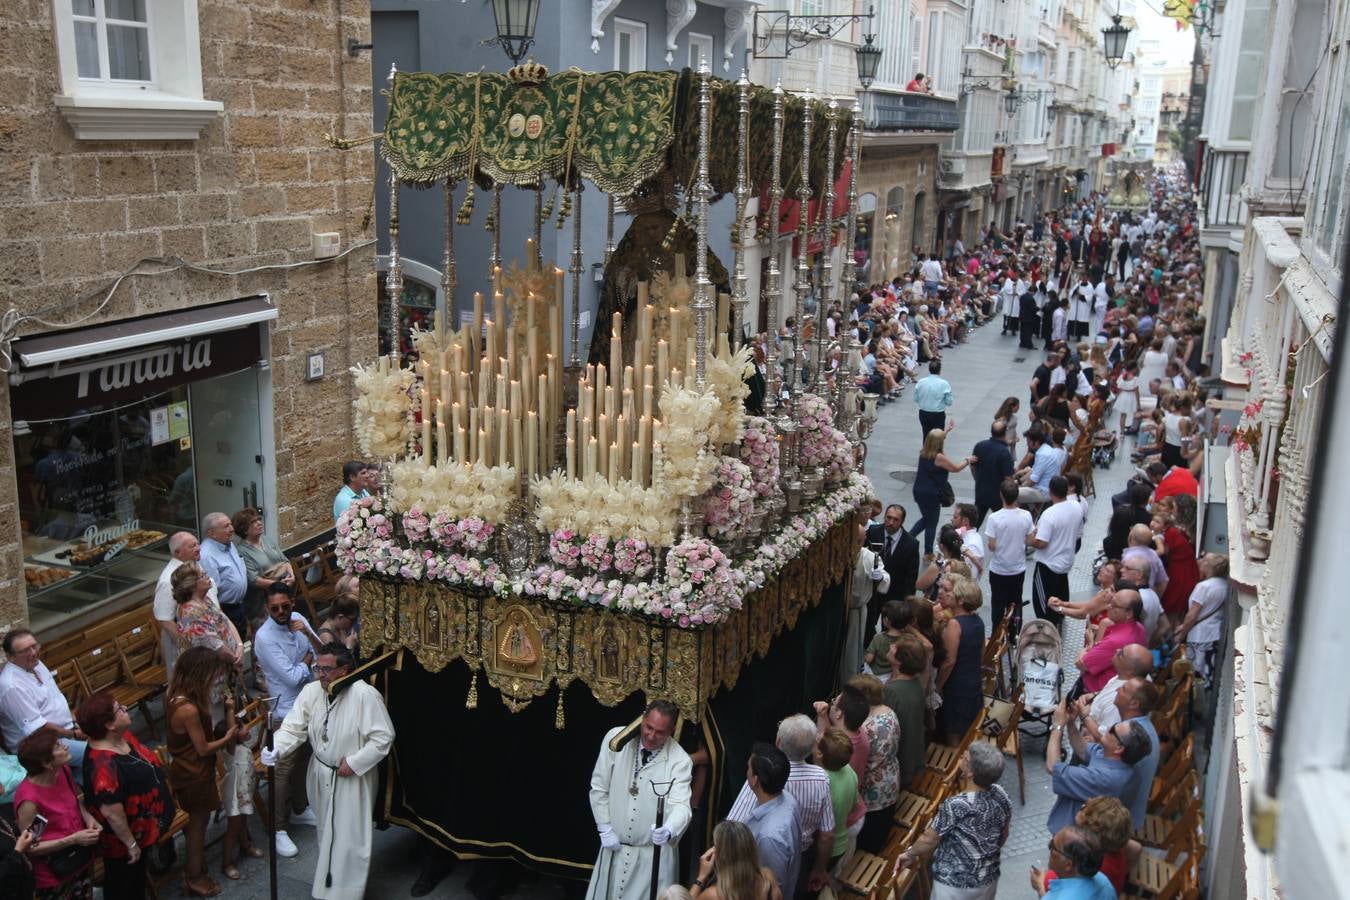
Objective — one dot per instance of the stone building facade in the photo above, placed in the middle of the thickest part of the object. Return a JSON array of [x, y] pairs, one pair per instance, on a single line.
[[209, 150], [902, 178]]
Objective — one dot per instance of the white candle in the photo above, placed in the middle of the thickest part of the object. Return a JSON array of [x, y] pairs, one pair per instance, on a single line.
[[571, 443]]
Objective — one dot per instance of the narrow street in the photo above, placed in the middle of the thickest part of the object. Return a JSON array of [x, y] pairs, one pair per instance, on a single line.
[[983, 372]]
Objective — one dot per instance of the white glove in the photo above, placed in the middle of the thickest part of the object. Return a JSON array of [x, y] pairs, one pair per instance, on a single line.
[[268, 757], [608, 839], [660, 836], [877, 573]]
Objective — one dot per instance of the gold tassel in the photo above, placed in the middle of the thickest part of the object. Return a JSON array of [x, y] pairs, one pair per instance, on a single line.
[[560, 721], [472, 701], [547, 212], [466, 208], [565, 210]]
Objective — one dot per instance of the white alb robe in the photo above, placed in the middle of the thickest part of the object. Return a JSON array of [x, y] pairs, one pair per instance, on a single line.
[[626, 873], [357, 728]]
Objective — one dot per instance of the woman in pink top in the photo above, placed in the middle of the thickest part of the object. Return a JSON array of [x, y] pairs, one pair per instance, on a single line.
[[49, 791]]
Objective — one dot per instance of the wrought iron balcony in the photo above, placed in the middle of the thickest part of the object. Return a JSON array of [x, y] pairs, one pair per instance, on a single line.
[[905, 111], [1221, 180]]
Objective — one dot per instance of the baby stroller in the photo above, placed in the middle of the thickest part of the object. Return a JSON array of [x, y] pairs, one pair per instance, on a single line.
[[1039, 651], [1104, 446]]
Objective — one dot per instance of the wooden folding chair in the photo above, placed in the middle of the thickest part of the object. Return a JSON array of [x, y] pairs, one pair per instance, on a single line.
[[1172, 770], [102, 669], [943, 759], [864, 873], [143, 662], [1172, 807], [1168, 877], [1007, 738]]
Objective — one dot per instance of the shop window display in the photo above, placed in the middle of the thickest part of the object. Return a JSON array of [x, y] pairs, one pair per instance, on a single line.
[[99, 493]]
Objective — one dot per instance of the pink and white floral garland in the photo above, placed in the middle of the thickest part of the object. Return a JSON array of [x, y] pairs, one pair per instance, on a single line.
[[821, 443], [759, 450], [701, 587], [730, 502]]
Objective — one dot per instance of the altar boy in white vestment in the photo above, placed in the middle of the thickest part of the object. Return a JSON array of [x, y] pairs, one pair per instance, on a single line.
[[349, 733], [623, 803]]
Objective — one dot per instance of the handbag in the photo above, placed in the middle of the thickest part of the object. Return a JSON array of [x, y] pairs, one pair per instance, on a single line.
[[70, 861], [946, 496]]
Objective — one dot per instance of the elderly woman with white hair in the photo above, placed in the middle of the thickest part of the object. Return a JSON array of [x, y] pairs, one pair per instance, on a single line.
[[967, 835]]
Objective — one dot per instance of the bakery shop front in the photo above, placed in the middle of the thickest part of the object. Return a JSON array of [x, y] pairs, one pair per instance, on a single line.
[[127, 432]]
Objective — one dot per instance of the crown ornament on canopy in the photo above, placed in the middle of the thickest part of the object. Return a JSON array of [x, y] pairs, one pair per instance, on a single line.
[[528, 73]]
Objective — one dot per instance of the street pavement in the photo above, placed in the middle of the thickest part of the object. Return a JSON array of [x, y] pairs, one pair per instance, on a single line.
[[983, 372]]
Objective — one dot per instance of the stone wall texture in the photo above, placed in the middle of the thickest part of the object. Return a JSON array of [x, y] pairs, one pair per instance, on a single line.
[[913, 170], [248, 193]]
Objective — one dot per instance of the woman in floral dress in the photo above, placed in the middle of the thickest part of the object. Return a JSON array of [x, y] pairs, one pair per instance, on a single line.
[[200, 620], [880, 784]]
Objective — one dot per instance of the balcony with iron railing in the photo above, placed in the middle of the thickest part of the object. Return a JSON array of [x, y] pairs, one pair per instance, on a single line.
[[909, 111], [1222, 175]]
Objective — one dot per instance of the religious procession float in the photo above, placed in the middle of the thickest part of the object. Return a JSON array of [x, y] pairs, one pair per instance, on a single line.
[[564, 532]]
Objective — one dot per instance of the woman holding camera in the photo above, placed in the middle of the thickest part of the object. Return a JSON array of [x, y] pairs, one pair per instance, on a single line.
[[46, 805]]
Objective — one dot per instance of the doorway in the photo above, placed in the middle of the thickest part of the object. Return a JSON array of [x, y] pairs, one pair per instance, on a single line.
[[227, 443]]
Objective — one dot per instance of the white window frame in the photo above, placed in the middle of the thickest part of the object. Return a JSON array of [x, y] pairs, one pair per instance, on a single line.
[[100, 21], [700, 42], [171, 107], [1323, 240], [637, 37]]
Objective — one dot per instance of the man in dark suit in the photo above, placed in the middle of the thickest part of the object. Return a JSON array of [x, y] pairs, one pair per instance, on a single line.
[[993, 463], [899, 554]]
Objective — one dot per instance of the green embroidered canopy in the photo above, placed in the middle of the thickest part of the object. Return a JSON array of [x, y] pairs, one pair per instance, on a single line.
[[616, 129]]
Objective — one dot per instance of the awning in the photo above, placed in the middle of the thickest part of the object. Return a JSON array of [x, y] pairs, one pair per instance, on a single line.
[[95, 340]]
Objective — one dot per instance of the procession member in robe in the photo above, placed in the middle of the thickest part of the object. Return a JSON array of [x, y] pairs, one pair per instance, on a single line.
[[630, 771], [349, 732]]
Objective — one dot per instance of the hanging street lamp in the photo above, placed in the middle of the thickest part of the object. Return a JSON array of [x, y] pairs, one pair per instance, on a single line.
[[1114, 39], [869, 57], [515, 26]]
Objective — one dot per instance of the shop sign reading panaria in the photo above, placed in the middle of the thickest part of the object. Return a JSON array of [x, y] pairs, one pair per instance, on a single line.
[[68, 387]]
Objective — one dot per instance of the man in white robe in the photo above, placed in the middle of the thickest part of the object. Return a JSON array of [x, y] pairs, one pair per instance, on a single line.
[[623, 803], [349, 733]]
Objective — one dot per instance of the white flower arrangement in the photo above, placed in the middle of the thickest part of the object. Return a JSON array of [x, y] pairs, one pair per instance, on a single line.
[[821, 443], [726, 375], [593, 506], [382, 404], [454, 489], [687, 463]]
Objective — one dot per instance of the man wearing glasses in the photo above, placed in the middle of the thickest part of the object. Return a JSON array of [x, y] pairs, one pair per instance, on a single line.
[[1125, 611], [1076, 858], [348, 731], [30, 700], [284, 646], [1109, 770]]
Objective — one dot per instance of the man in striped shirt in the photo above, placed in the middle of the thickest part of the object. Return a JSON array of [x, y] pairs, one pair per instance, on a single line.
[[809, 785]]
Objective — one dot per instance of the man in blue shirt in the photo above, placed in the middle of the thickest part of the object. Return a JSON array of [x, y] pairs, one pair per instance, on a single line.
[[1107, 773], [1046, 462], [284, 647], [934, 395], [773, 819], [223, 563], [1076, 858], [355, 483]]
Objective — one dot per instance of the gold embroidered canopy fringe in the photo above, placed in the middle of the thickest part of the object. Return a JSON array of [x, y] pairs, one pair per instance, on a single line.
[[616, 129], [524, 647]]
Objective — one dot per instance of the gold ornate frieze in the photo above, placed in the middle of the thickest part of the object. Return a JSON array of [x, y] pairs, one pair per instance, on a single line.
[[524, 648]]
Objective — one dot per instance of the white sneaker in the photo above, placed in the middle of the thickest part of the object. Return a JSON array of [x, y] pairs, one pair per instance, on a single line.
[[285, 846], [304, 818]]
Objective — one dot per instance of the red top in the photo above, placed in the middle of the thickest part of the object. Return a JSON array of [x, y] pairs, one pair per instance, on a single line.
[[1183, 571], [1178, 481], [914, 85], [134, 781]]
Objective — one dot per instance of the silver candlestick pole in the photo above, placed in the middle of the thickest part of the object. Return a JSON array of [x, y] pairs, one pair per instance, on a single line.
[[393, 282], [495, 221], [826, 250], [855, 157], [739, 298], [702, 285], [773, 292], [609, 229], [576, 284], [802, 285], [448, 273]]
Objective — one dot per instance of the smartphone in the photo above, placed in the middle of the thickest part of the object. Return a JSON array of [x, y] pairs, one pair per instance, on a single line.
[[39, 825]]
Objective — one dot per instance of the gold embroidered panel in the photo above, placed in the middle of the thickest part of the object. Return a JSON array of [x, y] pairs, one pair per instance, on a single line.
[[523, 647], [617, 129]]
